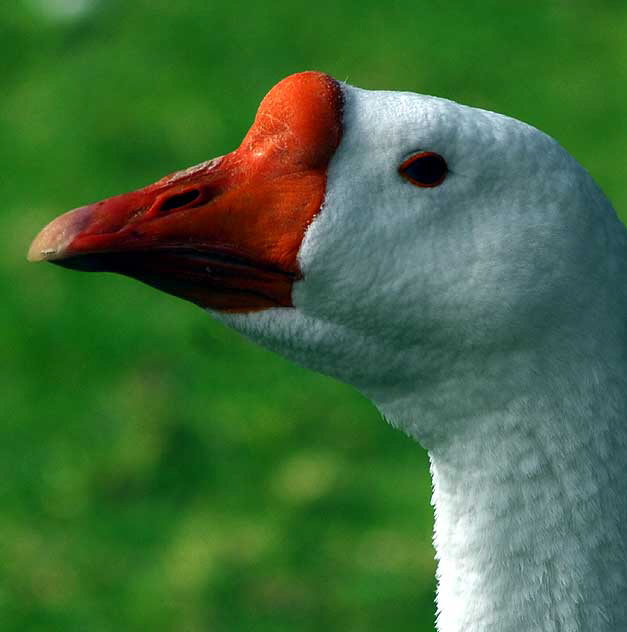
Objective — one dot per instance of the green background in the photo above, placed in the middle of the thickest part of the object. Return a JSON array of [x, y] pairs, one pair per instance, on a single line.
[[158, 472]]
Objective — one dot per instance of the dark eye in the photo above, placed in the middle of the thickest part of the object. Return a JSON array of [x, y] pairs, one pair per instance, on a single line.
[[426, 169]]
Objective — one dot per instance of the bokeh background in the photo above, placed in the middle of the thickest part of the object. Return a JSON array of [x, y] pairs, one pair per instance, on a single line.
[[158, 472]]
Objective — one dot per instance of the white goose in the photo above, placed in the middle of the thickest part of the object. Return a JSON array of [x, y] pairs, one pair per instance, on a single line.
[[459, 268]]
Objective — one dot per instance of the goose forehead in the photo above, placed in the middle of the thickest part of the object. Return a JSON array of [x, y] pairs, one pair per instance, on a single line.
[[393, 124], [391, 118]]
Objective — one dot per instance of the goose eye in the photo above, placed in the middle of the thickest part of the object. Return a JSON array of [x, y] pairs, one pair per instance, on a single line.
[[426, 169]]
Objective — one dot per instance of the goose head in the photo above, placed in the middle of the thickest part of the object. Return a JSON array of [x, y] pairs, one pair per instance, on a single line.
[[392, 240]]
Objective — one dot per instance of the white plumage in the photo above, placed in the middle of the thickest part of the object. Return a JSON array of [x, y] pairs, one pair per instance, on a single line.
[[486, 318]]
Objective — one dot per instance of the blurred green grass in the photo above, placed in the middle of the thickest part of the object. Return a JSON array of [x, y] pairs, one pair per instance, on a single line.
[[157, 471]]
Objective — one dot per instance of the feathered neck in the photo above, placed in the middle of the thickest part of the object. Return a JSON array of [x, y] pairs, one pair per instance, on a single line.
[[529, 494]]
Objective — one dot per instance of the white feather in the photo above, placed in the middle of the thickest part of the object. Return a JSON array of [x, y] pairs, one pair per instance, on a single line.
[[485, 317]]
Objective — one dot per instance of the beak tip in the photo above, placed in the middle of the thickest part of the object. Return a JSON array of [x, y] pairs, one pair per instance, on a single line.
[[44, 246], [53, 240], [37, 253]]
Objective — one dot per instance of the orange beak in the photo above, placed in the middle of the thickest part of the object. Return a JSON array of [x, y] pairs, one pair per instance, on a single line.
[[226, 233]]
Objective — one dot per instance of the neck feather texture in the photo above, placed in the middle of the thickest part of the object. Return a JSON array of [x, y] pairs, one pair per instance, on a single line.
[[529, 495], [531, 521]]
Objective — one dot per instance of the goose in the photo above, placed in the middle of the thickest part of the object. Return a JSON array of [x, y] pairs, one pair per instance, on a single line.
[[460, 269]]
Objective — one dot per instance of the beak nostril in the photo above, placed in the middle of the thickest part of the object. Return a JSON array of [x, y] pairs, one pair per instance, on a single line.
[[179, 200]]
